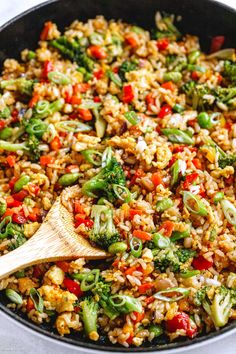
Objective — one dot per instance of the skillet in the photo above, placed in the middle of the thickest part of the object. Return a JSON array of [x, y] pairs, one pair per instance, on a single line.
[[204, 18]]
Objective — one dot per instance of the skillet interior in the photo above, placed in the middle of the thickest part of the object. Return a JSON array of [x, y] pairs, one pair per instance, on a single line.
[[203, 18]]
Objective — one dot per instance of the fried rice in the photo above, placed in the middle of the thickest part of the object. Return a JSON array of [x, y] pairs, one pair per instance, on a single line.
[[143, 124]]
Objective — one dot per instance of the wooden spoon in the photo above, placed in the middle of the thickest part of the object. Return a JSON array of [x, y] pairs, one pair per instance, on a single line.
[[55, 240]]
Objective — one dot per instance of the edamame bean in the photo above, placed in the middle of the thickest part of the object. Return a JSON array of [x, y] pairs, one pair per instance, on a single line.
[[68, 179], [193, 56], [172, 76], [6, 133], [117, 247], [22, 181], [204, 120]]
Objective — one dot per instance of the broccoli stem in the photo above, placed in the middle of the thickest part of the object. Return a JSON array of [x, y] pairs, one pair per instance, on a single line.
[[89, 318], [5, 145]]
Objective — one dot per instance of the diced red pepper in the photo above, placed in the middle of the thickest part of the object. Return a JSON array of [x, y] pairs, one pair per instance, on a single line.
[[39, 271], [34, 216], [98, 74], [2, 124], [131, 40], [130, 270], [145, 287], [156, 179], [9, 212], [85, 114], [189, 180], [195, 75], [19, 219], [150, 100], [165, 110], [47, 68], [55, 143], [97, 99], [139, 316], [15, 115], [79, 221], [12, 182], [128, 94], [75, 100], [197, 163], [133, 212], [97, 52], [11, 160], [216, 43], [201, 263], [81, 88], [79, 209], [73, 287], [63, 265], [167, 227], [20, 196], [45, 31], [181, 321], [130, 339], [46, 160], [162, 44], [169, 85], [12, 203]]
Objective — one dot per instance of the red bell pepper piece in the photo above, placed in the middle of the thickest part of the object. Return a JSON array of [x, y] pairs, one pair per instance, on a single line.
[[216, 43], [165, 110], [162, 44], [189, 180], [128, 94], [73, 287], [201, 263], [181, 321], [20, 196]]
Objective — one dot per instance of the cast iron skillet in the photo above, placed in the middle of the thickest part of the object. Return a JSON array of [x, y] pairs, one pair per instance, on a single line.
[[203, 18]]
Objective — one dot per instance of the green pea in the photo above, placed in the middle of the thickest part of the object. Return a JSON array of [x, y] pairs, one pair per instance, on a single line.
[[3, 208], [58, 78], [14, 296], [164, 204], [174, 76], [204, 120], [156, 330], [6, 133], [117, 247], [5, 113], [31, 55], [22, 181], [193, 56], [68, 179], [218, 197], [178, 108]]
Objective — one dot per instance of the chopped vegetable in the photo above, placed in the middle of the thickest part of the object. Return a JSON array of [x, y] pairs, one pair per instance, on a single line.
[[37, 300], [14, 296], [177, 136], [183, 292], [194, 204]]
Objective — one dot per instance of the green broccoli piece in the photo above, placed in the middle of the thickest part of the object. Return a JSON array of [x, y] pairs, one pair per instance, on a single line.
[[184, 254], [224, 159], [102, 184], [200, 295], [229, 71], [74, 51], [219, 306], [89, 310], [33, 147], [172, 258], [226, 95], [196, 95], [103, 290], [22, 85], [126, 66], [103, 232]]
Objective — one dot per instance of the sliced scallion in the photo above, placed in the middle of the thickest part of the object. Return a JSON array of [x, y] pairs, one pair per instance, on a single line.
[[229, 211], [132, 117], [72, 126], [115, 78], [160, 295], [58, 78], [194, 204], [136, 247], [160, 241], [122, 193], [92, 156], [14, 296], [88, 284], [89, 104], [37, 300], [177, 136]]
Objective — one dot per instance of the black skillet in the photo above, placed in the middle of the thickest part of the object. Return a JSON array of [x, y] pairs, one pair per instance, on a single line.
[[204, 18]]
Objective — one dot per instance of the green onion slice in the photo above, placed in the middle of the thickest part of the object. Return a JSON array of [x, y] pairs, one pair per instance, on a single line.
[[122, 193], [92, 156], [160, 241], [58, 78], [42, 107], [229, 211], [132, 117], [37, 300], [181, 293], [115, 78], [89, 104], [194, 204], [125, 303], [72, 126], [14, 296], [88, 284], [189, 273], [136, 247], [177, 136]]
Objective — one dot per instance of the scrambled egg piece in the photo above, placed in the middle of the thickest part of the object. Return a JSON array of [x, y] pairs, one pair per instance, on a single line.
[[68, 320], [55, 275], [60, 300]]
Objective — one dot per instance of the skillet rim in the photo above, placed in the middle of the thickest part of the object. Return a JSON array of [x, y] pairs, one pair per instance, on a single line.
[[89, 346]]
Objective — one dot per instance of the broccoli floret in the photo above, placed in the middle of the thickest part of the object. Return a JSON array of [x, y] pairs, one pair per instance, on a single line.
[[172, 258], [196, 95], [103, 232], [184, 254], [228, 160], [103, 290], [125, 67], [200, 295], [226, 95], [74, 51], [22, 85], [230, 71], [218, 307], [102, 183], [89, 309], [33, 147]]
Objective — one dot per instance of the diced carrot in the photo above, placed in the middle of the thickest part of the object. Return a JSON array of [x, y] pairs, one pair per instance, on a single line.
[[29, 305], [34, 100], [149, 300], [81, 88], [156, 179], [131, 40], [130, 270], [45, 31], [55, 143], [75, 100], [34, 215], [142, 235], [145, 287], [197, 163], [139, 173], [8, 212], [20, 196], [97, 52], [139, 316], [169, 85], [85, 114], [63, 265], [168, 227], [79, 209], [11, 160], [98, 74], [46, 160]]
